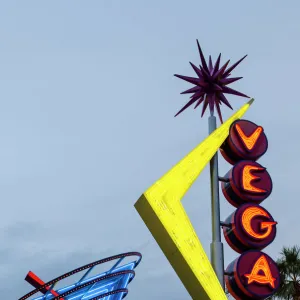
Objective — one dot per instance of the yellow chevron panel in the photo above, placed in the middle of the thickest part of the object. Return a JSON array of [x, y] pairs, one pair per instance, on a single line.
[[165, 217]]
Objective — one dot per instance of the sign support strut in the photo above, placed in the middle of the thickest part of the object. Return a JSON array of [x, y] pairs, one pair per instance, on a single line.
[[216, 246]]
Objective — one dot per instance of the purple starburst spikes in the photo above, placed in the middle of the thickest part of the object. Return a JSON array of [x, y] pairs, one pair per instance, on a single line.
[[211, 84]]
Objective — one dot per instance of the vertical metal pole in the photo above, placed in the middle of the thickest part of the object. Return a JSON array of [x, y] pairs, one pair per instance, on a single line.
[[216, 247]]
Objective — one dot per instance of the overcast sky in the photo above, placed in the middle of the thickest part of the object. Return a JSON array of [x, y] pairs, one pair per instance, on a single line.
[[87, 124]]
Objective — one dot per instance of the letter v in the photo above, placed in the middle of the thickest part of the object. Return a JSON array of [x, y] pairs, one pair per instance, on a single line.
[[249, 141]]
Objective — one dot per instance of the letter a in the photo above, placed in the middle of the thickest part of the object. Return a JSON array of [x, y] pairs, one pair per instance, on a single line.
[[249, 141], [261, 265]]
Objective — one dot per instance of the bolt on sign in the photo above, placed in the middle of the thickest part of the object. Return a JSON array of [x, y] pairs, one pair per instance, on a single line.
[[250, 228]]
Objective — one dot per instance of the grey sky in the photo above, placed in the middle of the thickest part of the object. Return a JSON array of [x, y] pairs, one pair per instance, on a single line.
[[86, 125]]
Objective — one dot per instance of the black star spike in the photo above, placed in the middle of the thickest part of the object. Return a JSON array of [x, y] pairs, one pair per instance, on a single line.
[[211, 84]]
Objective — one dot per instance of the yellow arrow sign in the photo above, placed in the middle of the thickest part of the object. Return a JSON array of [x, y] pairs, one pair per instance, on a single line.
[[165, 217]]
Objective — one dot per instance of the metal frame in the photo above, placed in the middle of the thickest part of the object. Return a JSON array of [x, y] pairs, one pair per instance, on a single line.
[[84, 283]]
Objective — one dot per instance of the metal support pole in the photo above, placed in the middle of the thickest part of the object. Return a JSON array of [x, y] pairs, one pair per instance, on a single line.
[[216, 247]]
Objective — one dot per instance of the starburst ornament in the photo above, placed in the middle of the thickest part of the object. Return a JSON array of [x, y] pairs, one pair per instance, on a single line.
[[211, 85]]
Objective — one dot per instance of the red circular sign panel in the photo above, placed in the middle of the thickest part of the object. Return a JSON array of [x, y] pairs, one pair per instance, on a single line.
[[250, 227], [246, 141], [248, 181], [254, 275]]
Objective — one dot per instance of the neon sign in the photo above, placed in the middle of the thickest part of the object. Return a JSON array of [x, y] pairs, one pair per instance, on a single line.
[[161, 209], [248, 178], [247, 182], [250, 228], [249, 141], [253, 275], [261, 265], [246, 141], [249, 214]]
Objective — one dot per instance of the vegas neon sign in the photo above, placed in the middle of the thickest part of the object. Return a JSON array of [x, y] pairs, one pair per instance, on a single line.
[[250, 228], [254, 275]]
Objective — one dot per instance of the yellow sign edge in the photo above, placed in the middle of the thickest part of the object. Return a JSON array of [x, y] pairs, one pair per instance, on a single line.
[[162, 212]]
